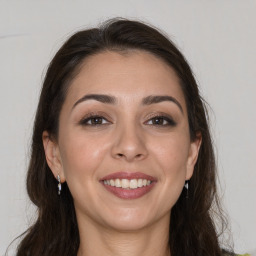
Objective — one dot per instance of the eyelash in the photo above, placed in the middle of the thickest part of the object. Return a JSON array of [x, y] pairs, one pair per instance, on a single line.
[[90, 117], [165, 119], [169, 121]]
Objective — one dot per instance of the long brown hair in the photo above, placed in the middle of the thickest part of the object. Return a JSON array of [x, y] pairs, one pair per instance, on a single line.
[[55, 232]]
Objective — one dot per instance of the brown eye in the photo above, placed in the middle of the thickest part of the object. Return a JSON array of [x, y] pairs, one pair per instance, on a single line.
[[94, 120], [161, 121]]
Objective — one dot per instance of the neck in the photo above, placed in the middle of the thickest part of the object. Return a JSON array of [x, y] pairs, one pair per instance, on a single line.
[[98, 240]]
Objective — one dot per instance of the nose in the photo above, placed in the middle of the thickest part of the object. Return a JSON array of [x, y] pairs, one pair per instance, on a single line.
[[129, 144]]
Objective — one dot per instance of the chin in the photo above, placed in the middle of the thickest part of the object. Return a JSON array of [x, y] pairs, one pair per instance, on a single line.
[[128, 225], [126, 220]]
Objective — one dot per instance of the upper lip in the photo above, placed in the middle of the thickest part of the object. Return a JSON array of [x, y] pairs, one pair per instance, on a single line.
[[128, 175]]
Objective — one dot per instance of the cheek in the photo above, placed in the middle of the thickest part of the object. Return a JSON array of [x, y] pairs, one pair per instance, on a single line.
[[81, 155], [171, 156], [81, 158], [172, 153]]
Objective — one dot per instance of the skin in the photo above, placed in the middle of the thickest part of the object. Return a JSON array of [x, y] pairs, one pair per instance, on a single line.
[[128, 138]]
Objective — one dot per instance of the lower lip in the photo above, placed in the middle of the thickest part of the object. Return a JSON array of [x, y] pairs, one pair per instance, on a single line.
[[129, 193]]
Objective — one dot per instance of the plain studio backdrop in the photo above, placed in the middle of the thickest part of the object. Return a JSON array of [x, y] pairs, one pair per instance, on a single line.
[[217, 37]]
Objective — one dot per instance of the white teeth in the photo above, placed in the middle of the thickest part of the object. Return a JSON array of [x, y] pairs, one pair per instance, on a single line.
[[133, 183], [118, 183], [127, 184]]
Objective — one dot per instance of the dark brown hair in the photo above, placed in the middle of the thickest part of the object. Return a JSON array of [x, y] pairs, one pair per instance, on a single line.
[[55, 232]]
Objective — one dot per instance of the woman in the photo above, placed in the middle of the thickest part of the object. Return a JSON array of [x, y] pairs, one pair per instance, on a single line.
[[122, 160]]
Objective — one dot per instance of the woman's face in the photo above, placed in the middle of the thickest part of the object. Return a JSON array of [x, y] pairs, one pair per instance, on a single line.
[[124, 146]]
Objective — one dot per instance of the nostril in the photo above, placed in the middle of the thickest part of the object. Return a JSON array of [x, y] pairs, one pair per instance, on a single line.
[[138, 156], [120, 155]]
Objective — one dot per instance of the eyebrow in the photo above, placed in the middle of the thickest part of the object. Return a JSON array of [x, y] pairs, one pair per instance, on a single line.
[[153, 99], [108, 99]]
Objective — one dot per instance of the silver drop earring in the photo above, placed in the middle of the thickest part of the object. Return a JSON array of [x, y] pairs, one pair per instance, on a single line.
[[59, 184], [186, 187]]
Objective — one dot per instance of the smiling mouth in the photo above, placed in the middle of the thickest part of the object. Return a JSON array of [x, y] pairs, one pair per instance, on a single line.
[[128, 185]]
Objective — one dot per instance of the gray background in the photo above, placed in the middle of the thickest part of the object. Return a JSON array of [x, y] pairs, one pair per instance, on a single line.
[[217, 37]]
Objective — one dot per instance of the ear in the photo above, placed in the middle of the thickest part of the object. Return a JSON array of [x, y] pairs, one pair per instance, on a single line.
[[193, 155], [52, 155]]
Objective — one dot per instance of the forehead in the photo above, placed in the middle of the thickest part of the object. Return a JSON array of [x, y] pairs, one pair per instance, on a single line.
[[128, 76]]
